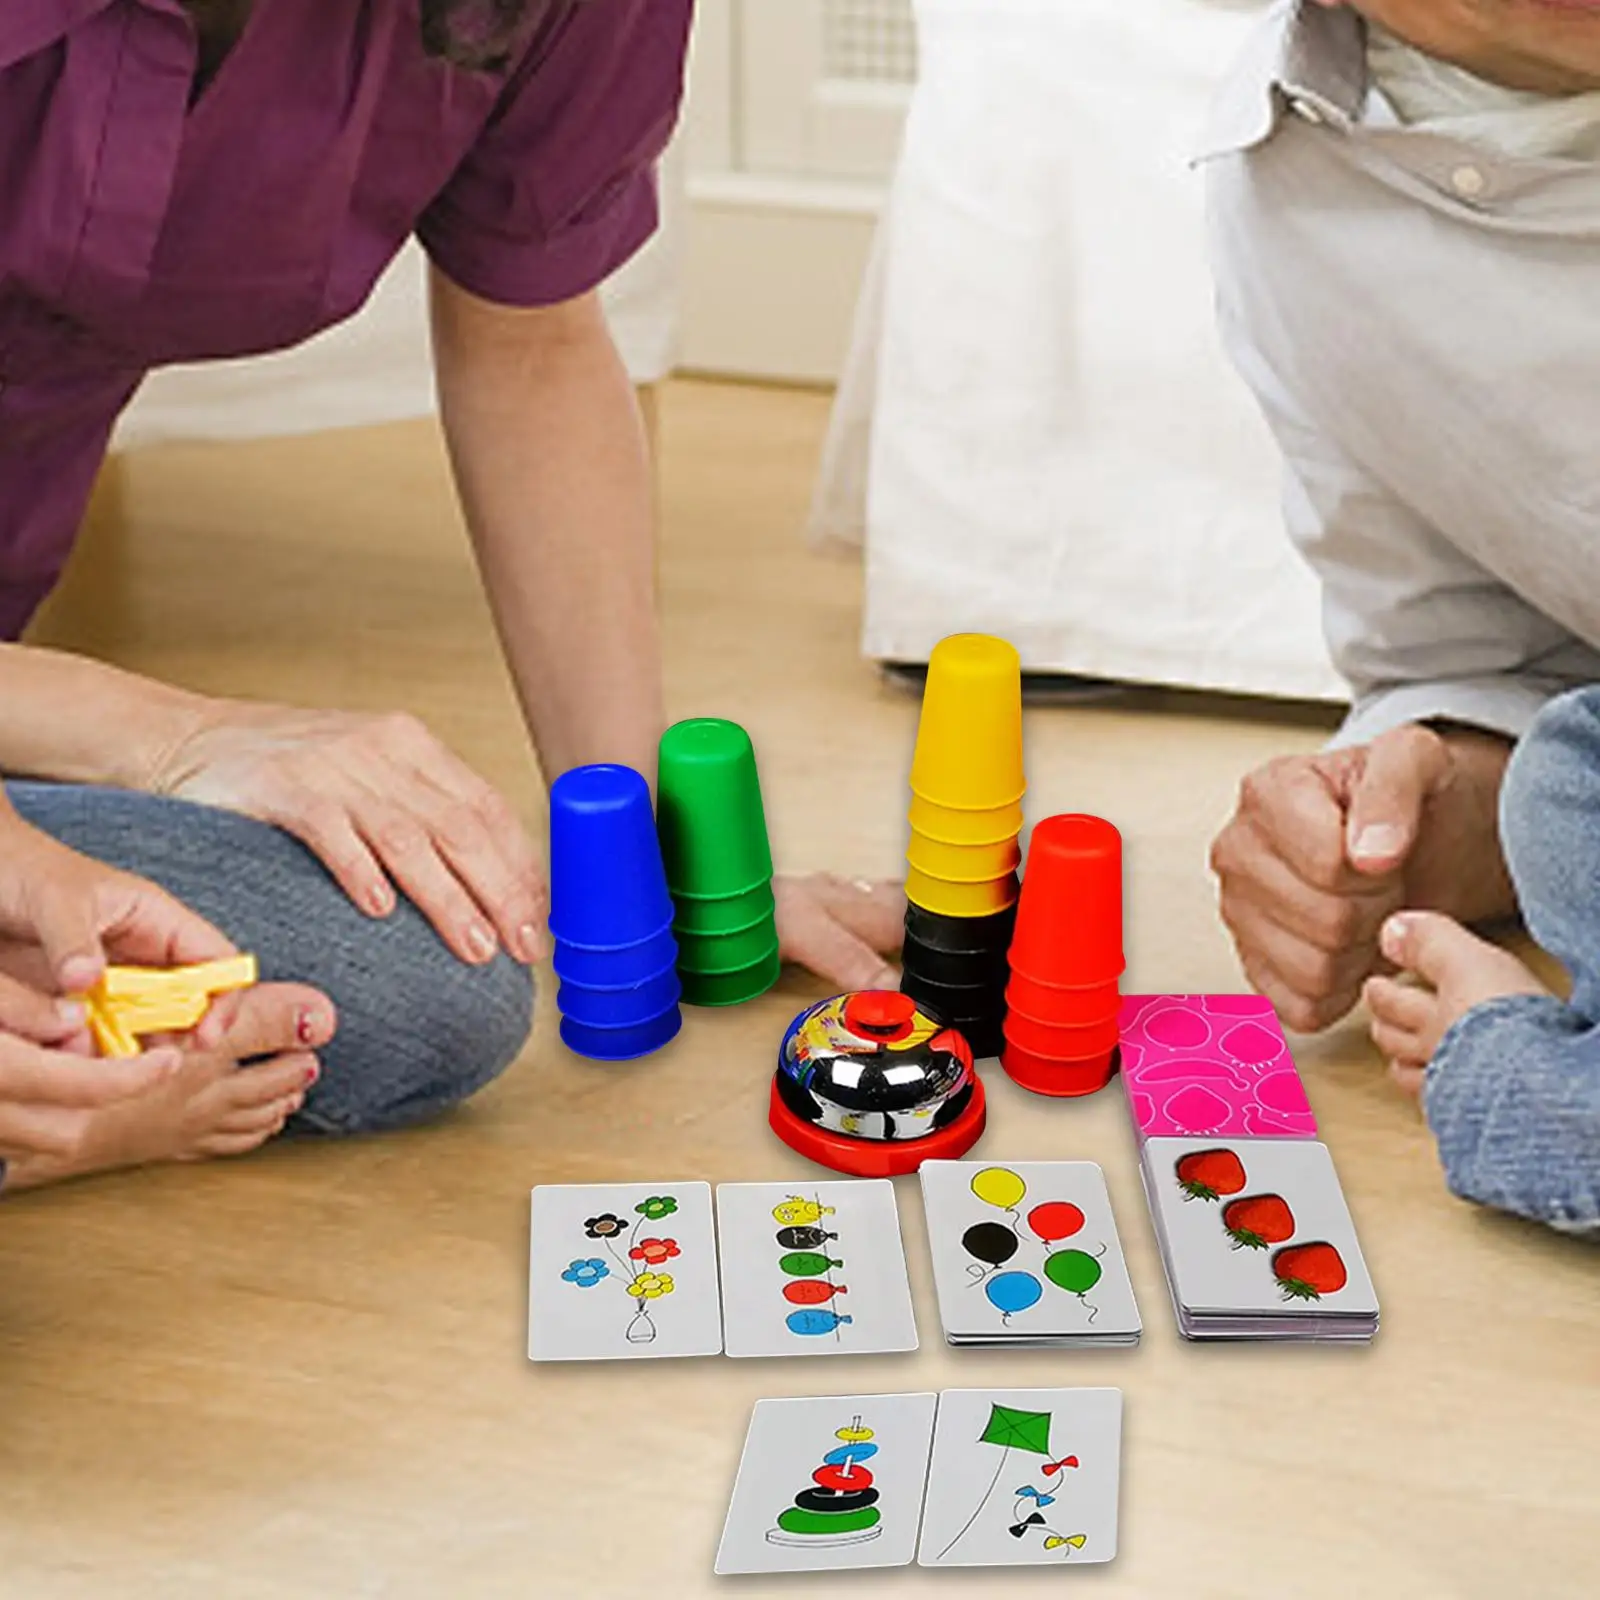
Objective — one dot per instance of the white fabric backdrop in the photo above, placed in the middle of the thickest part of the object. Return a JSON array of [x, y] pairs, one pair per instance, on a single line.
[[1038, 431], [376, 368]]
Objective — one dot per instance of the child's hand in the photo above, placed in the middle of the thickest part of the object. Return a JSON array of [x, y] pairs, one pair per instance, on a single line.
[[842, 931]]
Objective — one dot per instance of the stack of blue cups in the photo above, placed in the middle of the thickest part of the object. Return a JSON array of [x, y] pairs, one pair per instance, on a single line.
[[611, 917]]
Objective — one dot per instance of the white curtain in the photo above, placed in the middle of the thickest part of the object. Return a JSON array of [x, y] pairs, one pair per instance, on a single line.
[[1039, 434], [376, 368]]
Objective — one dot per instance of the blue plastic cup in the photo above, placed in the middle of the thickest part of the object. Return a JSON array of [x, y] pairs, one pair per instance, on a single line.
[[619, 968], [622, 1044], [619, 1008], [607, 885]]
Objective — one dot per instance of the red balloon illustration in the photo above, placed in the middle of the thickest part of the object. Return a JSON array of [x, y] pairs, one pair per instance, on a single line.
[[811, 1291], [1057, 1219]]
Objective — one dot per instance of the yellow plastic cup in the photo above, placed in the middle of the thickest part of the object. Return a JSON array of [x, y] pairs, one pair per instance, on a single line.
[[963, 863], [969, 742], [960, 899], [947, 825]]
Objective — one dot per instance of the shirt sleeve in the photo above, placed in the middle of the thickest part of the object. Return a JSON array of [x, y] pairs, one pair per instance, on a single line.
[[1418, 630], [559, 190]]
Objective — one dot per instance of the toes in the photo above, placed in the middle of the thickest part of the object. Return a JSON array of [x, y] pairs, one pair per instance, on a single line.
[[230, 1144], [1408, 1076], [1400, 1045], [268, 1082], [1430, 944], [269, 1118], [269, 1019], [1400, 1005]]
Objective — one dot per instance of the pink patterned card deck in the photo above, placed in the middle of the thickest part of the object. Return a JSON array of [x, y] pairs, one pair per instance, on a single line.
[[1210, 1065]]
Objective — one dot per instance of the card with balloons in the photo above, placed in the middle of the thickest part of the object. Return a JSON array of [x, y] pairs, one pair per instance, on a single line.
[[1023, 1477], [1028, 1254], [813, 1269]]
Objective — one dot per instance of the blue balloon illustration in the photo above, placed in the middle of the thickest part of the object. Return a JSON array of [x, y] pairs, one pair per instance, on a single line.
[[850, 1452], [812, 1320], [1011, 1292]]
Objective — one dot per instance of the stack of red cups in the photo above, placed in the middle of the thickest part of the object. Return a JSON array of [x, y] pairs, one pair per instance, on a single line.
[[1066, 960]]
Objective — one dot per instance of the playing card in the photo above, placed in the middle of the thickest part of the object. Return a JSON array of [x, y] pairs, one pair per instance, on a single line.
[[1027, 1252], [622, 1270], [1210, 1066], [1256, 1227], [826, 1485], [1023, 1477], [813, 1269]]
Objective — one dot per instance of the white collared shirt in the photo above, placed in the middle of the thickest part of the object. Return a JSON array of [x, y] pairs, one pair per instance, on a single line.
[[1418, 314]]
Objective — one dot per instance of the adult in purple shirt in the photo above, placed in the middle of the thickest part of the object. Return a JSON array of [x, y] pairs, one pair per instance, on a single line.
[[185, 180]]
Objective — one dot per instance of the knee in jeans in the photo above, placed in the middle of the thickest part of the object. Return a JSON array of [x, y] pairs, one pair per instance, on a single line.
[[446, 1031]]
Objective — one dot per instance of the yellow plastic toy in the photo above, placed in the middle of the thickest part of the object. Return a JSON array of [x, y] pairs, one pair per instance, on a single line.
[[129, 1003]]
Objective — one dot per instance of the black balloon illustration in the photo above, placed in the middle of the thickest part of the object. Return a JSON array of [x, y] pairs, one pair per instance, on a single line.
[[804, 1238], [990, 1241]]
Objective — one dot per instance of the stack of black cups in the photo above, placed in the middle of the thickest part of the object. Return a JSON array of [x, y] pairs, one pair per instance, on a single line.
[[956, 968]]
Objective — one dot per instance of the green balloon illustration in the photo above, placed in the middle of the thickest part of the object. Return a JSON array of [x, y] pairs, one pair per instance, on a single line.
[[806, 1264], [1073, 1270]]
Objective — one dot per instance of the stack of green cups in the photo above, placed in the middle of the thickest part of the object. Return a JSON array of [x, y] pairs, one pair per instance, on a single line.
[[719, 862]]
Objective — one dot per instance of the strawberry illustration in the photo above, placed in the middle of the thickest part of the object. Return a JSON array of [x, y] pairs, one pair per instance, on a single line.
[[1210, 1174], [1257, 1221], [1309, 1271]]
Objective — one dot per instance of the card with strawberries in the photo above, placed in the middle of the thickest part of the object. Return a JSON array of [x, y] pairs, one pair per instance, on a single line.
[[1257, 1240], [1210, 1066]]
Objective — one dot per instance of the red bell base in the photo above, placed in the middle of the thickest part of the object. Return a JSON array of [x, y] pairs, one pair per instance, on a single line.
[[1062, 1080], [876, 1158]]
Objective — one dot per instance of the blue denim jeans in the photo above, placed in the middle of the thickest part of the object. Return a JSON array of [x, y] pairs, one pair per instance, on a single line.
[[419, 1030], [1513, 1094]]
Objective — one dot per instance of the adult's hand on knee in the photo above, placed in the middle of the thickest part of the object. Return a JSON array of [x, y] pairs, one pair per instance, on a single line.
[[383, 804], [76, 913], [1315, 859]]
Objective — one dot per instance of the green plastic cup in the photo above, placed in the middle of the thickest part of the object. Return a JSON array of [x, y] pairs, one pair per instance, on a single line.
[[732, 915], [709, 813], [712, 954], [731, 988]]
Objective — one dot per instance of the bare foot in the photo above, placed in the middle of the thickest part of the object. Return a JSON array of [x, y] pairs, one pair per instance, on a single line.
[[1460, 971], [212, 1105]]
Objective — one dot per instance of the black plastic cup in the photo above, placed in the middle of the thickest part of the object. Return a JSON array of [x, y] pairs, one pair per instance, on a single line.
[[953, 1000], [961, 935], [961, 969]]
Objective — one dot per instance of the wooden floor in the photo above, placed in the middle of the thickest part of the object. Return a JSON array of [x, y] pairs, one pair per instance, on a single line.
[[303, 1375]]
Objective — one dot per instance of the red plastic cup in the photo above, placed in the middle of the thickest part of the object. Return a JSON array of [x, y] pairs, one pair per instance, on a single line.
[[1055, 1042], [1051, 1003], [1063, 1080], [1069, 918]]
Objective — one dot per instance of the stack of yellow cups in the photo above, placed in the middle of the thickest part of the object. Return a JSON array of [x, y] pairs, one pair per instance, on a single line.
[[967, 786]]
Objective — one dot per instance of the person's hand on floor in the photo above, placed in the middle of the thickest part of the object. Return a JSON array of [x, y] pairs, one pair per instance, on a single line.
[[223, 1090], [843, 930], [383, 804], [1324, 848], [63, 915]]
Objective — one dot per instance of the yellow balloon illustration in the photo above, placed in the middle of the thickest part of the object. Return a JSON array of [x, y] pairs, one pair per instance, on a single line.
[[996, 1186]]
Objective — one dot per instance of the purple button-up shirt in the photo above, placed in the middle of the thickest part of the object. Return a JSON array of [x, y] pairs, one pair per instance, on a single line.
[[137, 231]]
